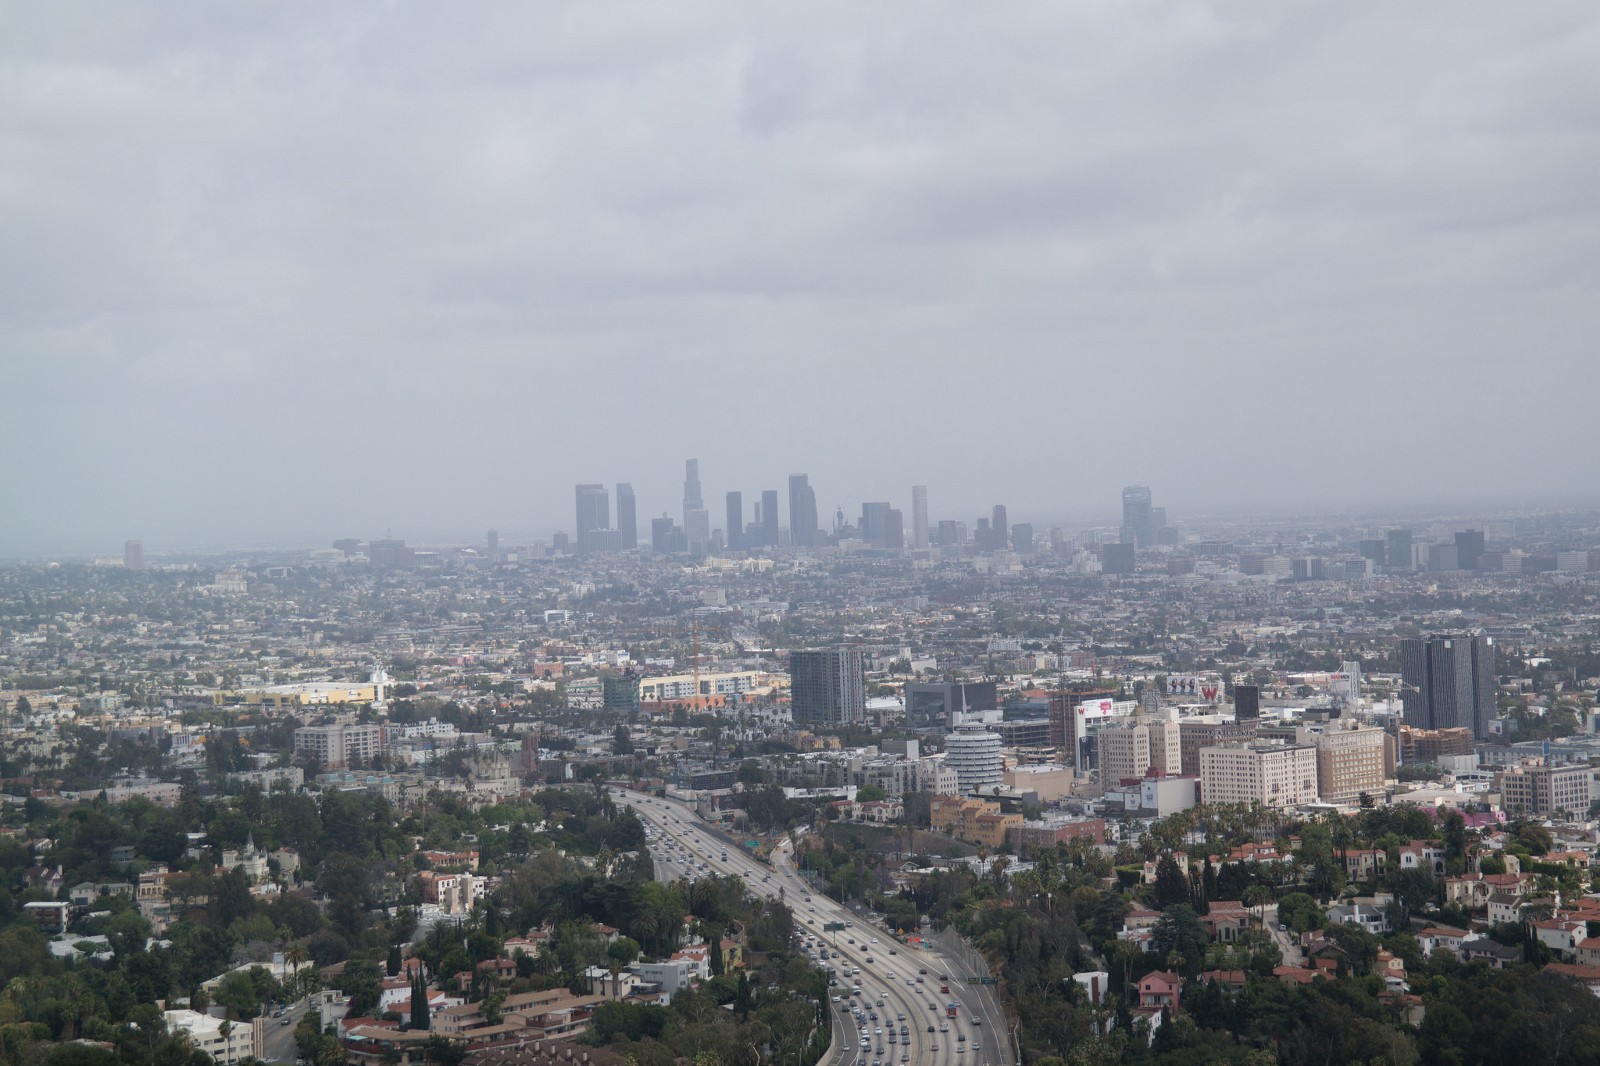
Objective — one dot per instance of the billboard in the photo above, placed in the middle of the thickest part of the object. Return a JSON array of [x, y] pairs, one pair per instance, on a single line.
[[1095, 709]]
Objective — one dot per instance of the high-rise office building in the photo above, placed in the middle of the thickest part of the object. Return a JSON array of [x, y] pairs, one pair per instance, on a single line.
[[692, 499], [802, 512], [493, 542], [1448, 682], [735, 527], [1397, 552], [769, 518], [894, 529], [875, 523], [1469, 549], [594, 513], [827, 687], [666, 536], [919, 516], [1138, 523], [697, 530], [1022, 538], [1117, 558], [952, 534], [133, 554], [627, 517], [933, 707], [999, 528]]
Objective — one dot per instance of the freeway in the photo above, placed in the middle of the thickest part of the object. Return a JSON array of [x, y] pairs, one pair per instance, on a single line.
[[899, 982]]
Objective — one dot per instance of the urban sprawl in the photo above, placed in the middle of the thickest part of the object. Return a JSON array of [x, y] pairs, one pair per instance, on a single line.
[[753, 785]]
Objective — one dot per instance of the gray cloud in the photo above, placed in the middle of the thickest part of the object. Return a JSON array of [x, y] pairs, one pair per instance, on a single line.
[[280, 270]]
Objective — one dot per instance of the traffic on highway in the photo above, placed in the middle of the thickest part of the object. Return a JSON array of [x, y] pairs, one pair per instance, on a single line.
[[893, 1003]]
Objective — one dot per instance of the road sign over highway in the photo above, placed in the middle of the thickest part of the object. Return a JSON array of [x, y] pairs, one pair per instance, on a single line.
[[833, 927]]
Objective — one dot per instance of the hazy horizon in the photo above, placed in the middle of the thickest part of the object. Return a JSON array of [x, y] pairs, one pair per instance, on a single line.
[[289, 270]]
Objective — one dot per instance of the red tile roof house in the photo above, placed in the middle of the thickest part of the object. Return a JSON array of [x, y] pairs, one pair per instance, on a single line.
[[1589, 975], [1161, 988], [1225, 920], [1295, 975], [1561, 935], [1232, 980], [1435, 938]]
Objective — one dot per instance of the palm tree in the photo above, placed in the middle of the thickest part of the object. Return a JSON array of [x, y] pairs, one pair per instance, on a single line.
[[1258, 896], [294, 956]]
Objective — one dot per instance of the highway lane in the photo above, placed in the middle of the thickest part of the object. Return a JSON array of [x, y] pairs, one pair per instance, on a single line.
[[683, 846]]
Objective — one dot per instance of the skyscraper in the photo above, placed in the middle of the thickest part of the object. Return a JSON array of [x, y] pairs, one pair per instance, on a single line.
[[627, 517], [1118, 558], [692, 500], [1448, 682], [1022, 538], [594, 513], [919, 516], [735, 527], [827, 687], [133, 554], [999, 528], [1137, 520], [697, 530], [894, 529], [802, 512], [1397, 552], [874, 524], [769, 518], [1469, 549], [665, 535]]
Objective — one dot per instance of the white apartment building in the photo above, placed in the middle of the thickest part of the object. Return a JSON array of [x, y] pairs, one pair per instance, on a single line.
[[1275, 776], [336, 746], [206, 1033]]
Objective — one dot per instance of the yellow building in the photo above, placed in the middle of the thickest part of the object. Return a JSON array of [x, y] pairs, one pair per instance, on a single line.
[[309, 694], [681, 687], [975, 821]]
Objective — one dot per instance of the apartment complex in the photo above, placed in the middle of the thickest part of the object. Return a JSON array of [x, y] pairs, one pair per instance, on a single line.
[[974, 820], [827, 687], [338, 746]]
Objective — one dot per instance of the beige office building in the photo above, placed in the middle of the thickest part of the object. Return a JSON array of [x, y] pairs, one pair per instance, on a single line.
[[1276, 776], [1127, 749], [1351, 760]]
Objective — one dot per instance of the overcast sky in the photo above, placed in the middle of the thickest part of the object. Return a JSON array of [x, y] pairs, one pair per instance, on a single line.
[[284, 272]]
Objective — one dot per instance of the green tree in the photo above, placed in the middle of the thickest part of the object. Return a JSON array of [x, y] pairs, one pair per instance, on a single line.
[[1301, 913]]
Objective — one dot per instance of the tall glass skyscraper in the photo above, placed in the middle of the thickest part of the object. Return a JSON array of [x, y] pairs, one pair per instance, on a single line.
[[919, 516], [802, 512], [1138, 521], [1448, 682]]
